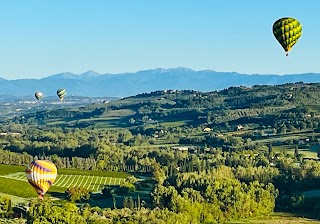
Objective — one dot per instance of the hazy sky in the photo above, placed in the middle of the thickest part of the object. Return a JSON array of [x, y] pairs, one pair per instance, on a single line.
[[41, 38]]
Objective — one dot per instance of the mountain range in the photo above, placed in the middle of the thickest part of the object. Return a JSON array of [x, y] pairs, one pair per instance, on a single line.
[[93, 84]]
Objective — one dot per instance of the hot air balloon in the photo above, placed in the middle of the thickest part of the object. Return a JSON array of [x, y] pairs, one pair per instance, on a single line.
[[61, 93], [287, 31], [41, 174], [38, 95]]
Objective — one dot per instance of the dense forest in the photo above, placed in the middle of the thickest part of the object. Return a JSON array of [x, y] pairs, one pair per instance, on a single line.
[[213, 157]]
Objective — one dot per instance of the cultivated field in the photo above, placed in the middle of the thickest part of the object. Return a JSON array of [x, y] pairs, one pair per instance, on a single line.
[[7, 169], [281, 218], [92, 183], [13, 180]]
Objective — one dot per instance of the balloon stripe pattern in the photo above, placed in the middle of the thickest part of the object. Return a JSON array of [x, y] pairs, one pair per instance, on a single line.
[[41, 174], [287, 31], [61, 93]]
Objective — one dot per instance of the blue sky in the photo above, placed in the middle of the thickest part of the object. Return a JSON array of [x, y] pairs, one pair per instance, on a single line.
[[41, 38]]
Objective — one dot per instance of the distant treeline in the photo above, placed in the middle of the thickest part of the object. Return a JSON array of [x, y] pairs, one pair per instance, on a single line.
[[24, 159]]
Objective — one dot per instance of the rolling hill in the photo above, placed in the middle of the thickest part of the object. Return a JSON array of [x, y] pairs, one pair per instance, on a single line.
[[253, 106]]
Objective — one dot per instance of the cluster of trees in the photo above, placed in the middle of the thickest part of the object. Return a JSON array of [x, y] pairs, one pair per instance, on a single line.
[[250, 161], [184, 198], [103, 162], [41, 116], [215, 195], [5, 207], [47, 212], [77, 194]]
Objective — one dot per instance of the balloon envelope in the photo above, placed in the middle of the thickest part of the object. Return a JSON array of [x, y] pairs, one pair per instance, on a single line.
[[287, 31], [38, 95], [41, 174], [61, 93]]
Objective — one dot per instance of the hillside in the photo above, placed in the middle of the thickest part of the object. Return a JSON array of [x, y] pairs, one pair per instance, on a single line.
[[251, 107], [93, 84]]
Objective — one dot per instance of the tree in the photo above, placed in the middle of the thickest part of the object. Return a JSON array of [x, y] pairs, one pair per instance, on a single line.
[[138, 202], [125, 136], [145, 119], [43, 211], [125, 202], [114, 201], [158, 173], [77, 194], [108, 192], [270, 150], [130, 203], [5, 206], [296, 151]]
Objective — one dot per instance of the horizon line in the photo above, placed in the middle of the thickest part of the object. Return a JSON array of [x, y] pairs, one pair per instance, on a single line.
[[155, 69]]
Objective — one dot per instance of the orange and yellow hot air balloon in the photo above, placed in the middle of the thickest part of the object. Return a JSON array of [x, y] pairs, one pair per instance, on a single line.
[[41, 174]]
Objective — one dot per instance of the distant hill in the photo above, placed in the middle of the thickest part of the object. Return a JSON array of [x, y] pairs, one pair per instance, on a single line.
[[93, 84], [275, 106]]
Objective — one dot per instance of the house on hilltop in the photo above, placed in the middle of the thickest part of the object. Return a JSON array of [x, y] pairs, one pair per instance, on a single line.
[[240, 127], [303, 141], [180, 148]]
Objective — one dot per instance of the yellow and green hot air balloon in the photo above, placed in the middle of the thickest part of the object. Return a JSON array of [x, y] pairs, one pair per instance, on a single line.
[[41, 174], [61, 93], [287, 31]]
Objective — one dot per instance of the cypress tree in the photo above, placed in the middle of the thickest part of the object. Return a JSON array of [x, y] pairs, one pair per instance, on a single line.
[[296, 151], [131, 203], [269, 150], [114, 201], [139, 203]]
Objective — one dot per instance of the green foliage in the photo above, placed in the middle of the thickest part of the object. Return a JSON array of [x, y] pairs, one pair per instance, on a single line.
[[128, 202], [226, 196], [5, 207], [8, 169], [94, 173], [17, 188], [261, 173], [77, 194], [108, 192], [43, 211], [158, 173], [298, 202], [234, 171], [125, 188], [131, 180]]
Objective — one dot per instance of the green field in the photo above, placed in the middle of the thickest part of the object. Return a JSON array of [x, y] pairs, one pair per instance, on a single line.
[[310, 152], [176, 123], [14, 182], [7, 169], [63, 181], [94, 173], [281, 218], [17, 188]]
